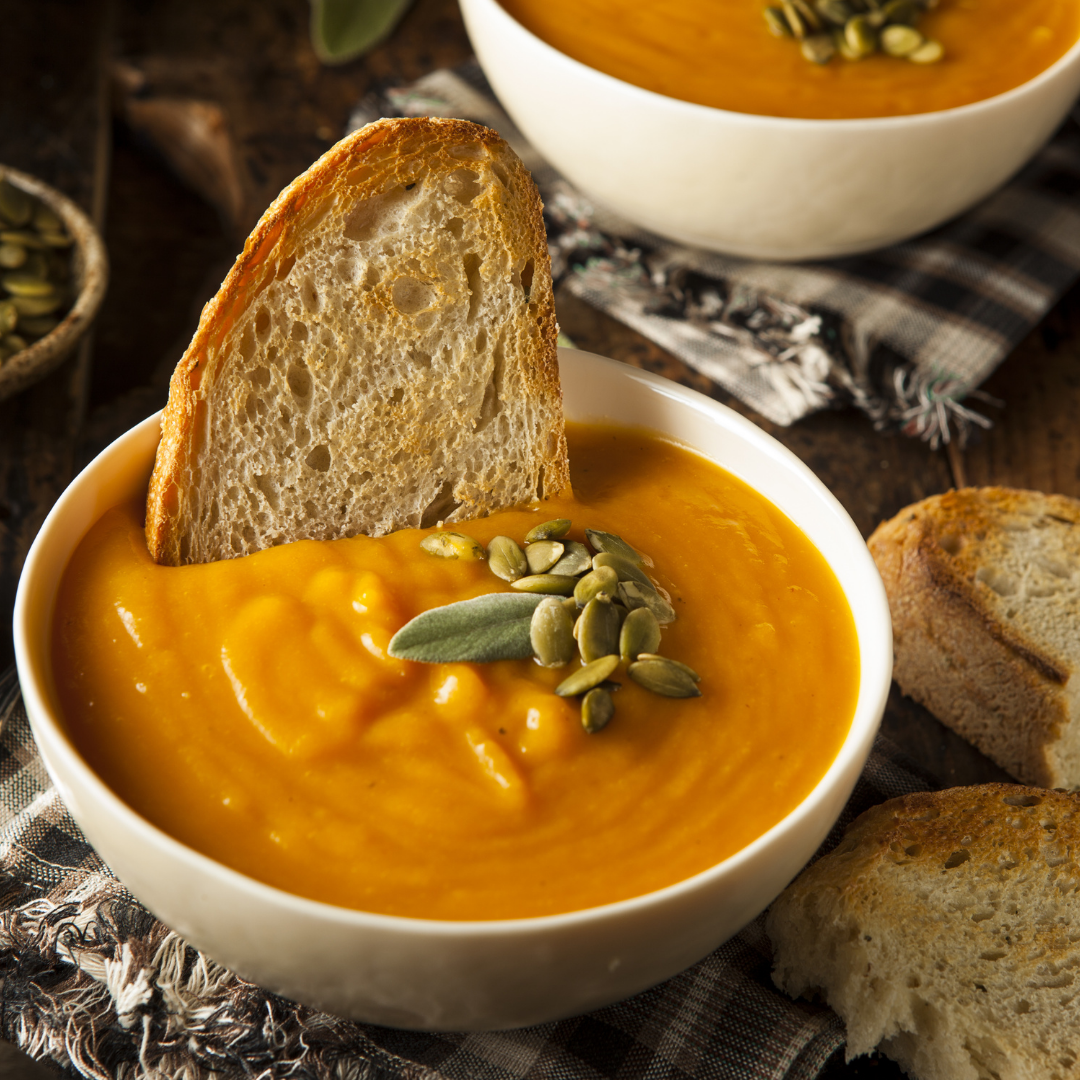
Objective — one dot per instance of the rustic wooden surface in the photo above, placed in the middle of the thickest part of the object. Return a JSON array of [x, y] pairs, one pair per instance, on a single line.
[[252, 66]]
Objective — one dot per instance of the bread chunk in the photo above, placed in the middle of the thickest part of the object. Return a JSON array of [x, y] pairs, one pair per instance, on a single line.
[[945, 930], [381, 355], [984, 589]]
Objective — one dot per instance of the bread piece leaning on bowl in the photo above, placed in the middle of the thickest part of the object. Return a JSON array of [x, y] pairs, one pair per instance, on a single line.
[[381, 356]]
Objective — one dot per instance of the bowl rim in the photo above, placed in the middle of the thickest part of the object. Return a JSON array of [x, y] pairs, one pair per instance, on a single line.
[[694, 111], [37, 360], [35, 675]]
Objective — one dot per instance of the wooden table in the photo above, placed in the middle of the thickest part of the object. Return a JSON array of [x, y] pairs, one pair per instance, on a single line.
[[248, 71]]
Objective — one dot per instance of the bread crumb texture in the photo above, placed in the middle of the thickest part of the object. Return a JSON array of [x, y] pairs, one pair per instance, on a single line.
[[945, 929], [382, 355], [984, 589]]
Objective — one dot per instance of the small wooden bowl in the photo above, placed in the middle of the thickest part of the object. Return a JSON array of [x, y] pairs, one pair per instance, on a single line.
[[90, 267]]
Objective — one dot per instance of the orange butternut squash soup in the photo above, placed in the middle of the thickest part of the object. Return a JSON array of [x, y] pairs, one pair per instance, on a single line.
[[720, 53], [250, 707]]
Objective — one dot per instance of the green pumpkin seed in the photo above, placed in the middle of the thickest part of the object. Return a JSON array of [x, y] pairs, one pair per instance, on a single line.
[[552, 633], [900, 40], [634, 596], [602, 581], [19, 283], [57, 240], [793, 19], [818, 48], [549, 530], [663, 677], [23, 239], [598, 630], [615, 545], [45, 219], [16, 206], [928, 53], [558, 584], [623, 567], [36, 305], [678, 663], [505, 559], [9, 316], [543, 555], [575, 560], [39, 327], [834, 12], [901, 12], [15, 343], [808, 15], [584, 679], [640, 633], [12, 256], [597, 709], [453, 545], [860, 36], [775, 21]]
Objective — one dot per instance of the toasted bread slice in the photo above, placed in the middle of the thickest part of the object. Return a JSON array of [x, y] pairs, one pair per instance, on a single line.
[[945, 929], [382, 355], [984, 589]]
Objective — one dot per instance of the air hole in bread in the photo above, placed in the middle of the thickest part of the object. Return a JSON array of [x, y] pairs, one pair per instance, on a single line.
[[397, 396], [1022, 800], [319, 458], [299, 331], [956, 858], [286, 267], [260, 377], [441, 507], [251, 409], [468, 151], [463, 185], [411, 296], [246, 348], [501, 172], [992, 954], [527, 277], [456, 227], [1003, 583], [262, 324], [302, 436], [950, 543], [347, 271], [480, 344], [317, 215], [309, 295], [476, 286], [248, 534], [982, 916], [419, 358], [377, 214], [1054, 566]]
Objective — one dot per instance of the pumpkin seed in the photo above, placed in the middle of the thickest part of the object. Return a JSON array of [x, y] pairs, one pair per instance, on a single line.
[[598, 630], [552, 633], [9, 316], [793, 19], [575, 560], [23, 239], [56, 239], [505, 559], [543, 555], [685, 667], [453, 545], [36, 305], [559, 584], [634, 597], [603, 580], [930, 52], [623, 567], [15, 343], [806, 12], [570, 605], [549, 530], [39, 327], [12, 256], [663, 677], [585, 678], [903, 12], [19, 283], [818, 48], [45, 219], [860, 36], [777, 24], [597, 709], [834, 12], [15, 205], [640, 633], [900, 40], [616, 545]]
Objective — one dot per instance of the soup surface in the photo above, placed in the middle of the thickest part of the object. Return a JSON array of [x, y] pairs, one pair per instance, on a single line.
[[249, 707], [720, 53]]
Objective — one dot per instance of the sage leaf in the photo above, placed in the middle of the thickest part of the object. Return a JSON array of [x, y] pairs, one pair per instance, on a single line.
[[343, 29], [486, 628]]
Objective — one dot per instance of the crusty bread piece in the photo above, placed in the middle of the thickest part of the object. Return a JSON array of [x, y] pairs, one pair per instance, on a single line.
[[382, 355], [984, 589], [946, 929]]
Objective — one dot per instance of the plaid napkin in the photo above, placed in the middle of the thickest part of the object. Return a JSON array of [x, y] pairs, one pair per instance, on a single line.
[[92, 981], [906, 333]]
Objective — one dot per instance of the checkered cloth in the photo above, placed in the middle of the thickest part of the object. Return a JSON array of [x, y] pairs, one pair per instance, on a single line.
[[90, 980], [905, 333]]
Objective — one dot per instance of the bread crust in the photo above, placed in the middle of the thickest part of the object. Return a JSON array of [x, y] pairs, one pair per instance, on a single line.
[[944, 928], [980, 629], [384, 156]]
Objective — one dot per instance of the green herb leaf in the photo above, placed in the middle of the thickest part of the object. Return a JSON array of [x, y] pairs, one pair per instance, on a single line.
[[486, 628], [343, 29]]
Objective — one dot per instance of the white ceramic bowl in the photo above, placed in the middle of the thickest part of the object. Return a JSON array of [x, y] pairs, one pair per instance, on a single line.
[[465, 975], [761, 186]]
